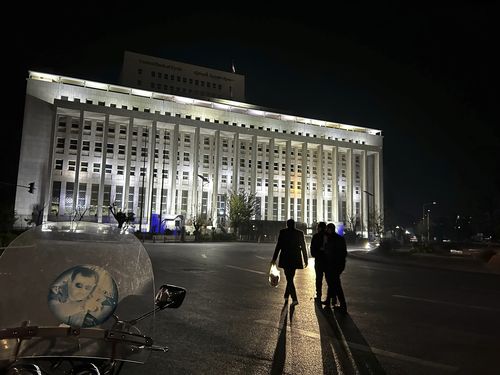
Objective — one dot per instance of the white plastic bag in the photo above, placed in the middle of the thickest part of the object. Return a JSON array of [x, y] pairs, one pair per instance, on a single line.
[[274, 276]]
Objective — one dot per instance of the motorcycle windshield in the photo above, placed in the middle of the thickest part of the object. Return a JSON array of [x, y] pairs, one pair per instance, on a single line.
[[69, 282]]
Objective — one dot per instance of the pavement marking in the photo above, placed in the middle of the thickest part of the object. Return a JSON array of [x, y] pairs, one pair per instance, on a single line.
[[365, 348], [204, 256], [246, 269], [447, 303], [258, 256]]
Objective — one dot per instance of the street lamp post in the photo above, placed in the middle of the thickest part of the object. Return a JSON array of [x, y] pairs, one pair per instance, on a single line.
[[368, 217], [423, 217]]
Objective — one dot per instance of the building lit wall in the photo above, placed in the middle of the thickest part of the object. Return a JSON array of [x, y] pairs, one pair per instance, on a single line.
[[173, 77], [98, 144]]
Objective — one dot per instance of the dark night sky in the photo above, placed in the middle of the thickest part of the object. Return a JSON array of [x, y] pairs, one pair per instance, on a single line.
[[426, 76]]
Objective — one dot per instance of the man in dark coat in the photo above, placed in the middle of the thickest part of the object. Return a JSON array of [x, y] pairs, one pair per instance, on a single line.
[[318, 253], [293, 255], [336, 252]]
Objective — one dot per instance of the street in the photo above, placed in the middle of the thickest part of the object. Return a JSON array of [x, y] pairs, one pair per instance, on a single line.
[[402, 320]]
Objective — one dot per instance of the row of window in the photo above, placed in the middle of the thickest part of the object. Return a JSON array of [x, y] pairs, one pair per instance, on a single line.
[[179, 79], [135, 196]]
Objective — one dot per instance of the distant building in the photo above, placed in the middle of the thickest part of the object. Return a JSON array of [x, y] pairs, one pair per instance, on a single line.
[[172, 77], [88, 144]]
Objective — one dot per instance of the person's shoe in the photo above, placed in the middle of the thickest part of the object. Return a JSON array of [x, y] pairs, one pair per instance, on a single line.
[[326, 302], [294, 303]]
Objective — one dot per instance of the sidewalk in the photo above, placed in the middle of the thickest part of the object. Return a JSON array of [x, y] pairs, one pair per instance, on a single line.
[[447, 262]]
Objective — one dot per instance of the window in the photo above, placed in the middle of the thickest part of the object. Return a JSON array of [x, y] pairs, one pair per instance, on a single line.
[[86, 146], [97, 168], [73, 144], [121, 149], [59, 164], [84, 166], [60, 145], [120, 169], [98, 147], [109, 168], [71, 165]]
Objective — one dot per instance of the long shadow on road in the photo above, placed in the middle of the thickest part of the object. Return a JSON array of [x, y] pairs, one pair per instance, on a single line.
[[279, 356], [344, 349]]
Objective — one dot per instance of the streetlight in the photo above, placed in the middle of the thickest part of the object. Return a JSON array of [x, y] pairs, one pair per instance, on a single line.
[[423, 217], [368, 217], [204, 180]]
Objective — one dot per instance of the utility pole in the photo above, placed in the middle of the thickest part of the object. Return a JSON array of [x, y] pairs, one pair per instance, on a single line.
[[423, 218]]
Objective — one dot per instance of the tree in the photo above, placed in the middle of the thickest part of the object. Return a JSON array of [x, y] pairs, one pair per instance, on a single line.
[[241, 209], [352, 221], [7, 218], [198, 222], [124, 219], [36, 215], [377, 223]]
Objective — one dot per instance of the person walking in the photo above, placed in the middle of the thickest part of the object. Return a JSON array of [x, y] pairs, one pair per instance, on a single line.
[[291, 248], [318, 253], [336, 252]]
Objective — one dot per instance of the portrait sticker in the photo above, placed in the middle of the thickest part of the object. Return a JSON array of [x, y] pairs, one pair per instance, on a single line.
[[83, 296]]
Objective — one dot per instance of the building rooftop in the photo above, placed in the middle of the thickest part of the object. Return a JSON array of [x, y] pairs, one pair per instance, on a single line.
[[214, 103]]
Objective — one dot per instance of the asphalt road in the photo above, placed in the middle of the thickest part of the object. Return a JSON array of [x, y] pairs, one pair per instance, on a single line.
[[402, 320]]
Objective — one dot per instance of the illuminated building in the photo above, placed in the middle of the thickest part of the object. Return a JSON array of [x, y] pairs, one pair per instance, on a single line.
[[88, 144]]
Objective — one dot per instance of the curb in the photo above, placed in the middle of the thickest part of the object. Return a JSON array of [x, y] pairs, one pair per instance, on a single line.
[[385, 260]]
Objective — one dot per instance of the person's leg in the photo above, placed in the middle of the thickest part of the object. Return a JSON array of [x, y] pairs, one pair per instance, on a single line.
[[329, 281], [319, 269], [339, 292], [290, 286]]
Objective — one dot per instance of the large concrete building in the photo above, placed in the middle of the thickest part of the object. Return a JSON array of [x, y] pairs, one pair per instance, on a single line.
[[88, 144]]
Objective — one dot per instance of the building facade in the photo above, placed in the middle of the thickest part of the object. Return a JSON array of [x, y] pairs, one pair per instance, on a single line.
[[87, 145], [173, 77]]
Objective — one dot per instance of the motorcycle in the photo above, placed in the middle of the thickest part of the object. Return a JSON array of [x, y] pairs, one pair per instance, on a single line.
[[78, 298]]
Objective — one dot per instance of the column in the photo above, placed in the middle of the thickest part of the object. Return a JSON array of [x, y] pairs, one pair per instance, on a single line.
[[319, 192], [48, 192], [212, 207], [78, 158], [100, 198], [378, 183], [335, 187], [254, 165], [303, 182], [150, 182], [364, 187], [236, 162], [287, 179], [126, 208], [349, 187], [173, 170], [195, 180], [270, 179]]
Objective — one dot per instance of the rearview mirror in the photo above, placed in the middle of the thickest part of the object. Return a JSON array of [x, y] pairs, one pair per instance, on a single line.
[[169, 296]]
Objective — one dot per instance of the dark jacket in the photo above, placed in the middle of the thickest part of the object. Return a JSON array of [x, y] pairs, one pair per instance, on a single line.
[[292, 249], [317, 244], [336, 251]]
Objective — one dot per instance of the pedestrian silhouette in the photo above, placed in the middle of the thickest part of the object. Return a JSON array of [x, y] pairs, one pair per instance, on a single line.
[[291, 248], [318, 253], [336, 252]]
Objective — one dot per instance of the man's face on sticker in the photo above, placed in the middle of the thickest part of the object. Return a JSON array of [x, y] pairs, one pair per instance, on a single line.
[[81, 286]]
